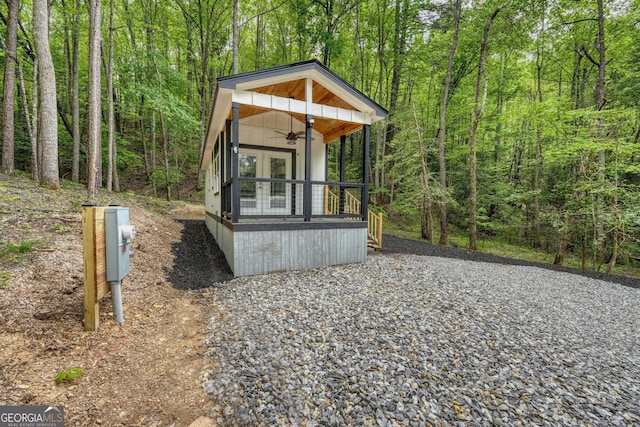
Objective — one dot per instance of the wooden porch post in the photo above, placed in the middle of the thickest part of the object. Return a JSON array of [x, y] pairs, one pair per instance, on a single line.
[[235, 185], [306, 209], [343, 160], [364, 207]]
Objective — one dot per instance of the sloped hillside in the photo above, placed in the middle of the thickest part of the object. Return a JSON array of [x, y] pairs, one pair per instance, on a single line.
[[145, 373]]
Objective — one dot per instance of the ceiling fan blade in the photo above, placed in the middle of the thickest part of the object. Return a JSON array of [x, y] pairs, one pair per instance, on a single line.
[[281, 133]]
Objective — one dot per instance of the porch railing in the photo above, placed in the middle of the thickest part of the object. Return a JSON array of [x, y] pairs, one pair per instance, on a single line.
[[264, 198], [351, 204]]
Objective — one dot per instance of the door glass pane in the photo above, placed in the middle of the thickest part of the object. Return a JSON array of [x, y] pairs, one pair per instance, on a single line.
[[247, 169], [278, 189]]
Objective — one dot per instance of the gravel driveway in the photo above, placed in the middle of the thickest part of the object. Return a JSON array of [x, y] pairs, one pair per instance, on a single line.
[[406, 340]]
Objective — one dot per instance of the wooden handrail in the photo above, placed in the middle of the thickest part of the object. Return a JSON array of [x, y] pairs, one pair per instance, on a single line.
[[352, 206]]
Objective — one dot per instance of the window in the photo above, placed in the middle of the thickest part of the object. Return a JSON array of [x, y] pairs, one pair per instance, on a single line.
[[216, 169]]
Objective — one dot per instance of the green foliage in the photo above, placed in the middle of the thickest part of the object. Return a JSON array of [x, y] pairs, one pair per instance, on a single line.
[[12, 251], [69, 375], [159, 177], [61, 228], [4, 279]]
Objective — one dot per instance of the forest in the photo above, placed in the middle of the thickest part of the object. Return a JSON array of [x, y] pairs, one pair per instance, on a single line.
[[516, 120]]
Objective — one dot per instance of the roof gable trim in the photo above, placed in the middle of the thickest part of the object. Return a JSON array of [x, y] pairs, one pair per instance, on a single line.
[[273, 102], [303, 70]]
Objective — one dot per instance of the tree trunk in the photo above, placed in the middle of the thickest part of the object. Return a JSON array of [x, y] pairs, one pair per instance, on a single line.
[[75, 96], [36, 154], [112, 161], [236, 35], [614, 250], [538, 157], [165, 152], [537, 234], [27, 120], [564, 241], [94, 103], [426, 217], [153, 151], [48, 115], [25, 106], [8, 99], [585, 244], [382, 132], [600, 95], [165, 139], [442, 132], [616, 218], [576, 95], [477, 115]]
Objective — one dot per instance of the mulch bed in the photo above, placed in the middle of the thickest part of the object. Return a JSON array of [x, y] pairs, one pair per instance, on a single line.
[[199, 262]]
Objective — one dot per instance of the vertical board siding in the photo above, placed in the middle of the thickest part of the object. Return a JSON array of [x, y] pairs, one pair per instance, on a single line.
[[269, 251]]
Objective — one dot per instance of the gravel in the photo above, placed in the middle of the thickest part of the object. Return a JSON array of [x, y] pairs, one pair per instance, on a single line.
[[395, 244], [405, 340]]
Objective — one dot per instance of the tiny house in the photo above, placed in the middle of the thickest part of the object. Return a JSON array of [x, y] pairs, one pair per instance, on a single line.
[[269, 204]]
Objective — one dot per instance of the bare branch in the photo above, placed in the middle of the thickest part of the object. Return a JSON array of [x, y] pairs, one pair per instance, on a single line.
[[578, 21], [583, 50], [246, 21]]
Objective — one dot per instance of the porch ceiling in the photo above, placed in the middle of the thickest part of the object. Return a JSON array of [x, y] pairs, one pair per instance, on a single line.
[[305, 87], [331, 129]]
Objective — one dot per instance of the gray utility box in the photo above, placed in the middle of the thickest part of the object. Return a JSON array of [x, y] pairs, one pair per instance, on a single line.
[[118, 236]]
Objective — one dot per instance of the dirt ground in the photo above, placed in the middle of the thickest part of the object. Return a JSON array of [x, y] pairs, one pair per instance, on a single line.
[[147, 373]]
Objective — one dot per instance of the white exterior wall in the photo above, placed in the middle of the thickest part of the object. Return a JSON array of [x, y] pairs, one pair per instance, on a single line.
[[260, 130], [318, 173]]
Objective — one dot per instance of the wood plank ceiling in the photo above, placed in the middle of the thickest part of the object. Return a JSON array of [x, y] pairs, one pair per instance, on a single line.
[[331, 129]]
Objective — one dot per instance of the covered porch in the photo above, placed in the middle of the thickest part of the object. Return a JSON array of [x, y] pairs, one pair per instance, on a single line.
[[268, 195]]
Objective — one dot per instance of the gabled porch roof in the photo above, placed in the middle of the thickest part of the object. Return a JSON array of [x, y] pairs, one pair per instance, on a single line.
[[301, 89]]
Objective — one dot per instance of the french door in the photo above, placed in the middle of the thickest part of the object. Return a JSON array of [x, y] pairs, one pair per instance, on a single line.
[[264, 198]]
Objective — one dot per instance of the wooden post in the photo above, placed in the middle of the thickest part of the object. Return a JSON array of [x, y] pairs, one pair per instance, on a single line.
[[94, 260], [380, 230]]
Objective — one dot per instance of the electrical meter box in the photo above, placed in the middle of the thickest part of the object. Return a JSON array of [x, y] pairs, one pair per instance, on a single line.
[[118, 237]]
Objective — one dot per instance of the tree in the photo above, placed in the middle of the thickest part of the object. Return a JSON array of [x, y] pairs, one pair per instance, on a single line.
[[47, 112], [94, 106], [442, 129], [478, 110], [236, 35], [112, 164], [75, 95], [11, 61], [331, 16]]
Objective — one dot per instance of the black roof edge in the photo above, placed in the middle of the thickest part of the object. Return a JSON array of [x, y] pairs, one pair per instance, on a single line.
[[230, 81]]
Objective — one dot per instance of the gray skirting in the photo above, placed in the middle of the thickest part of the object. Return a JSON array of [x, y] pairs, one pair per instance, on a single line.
[[260, 252]]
